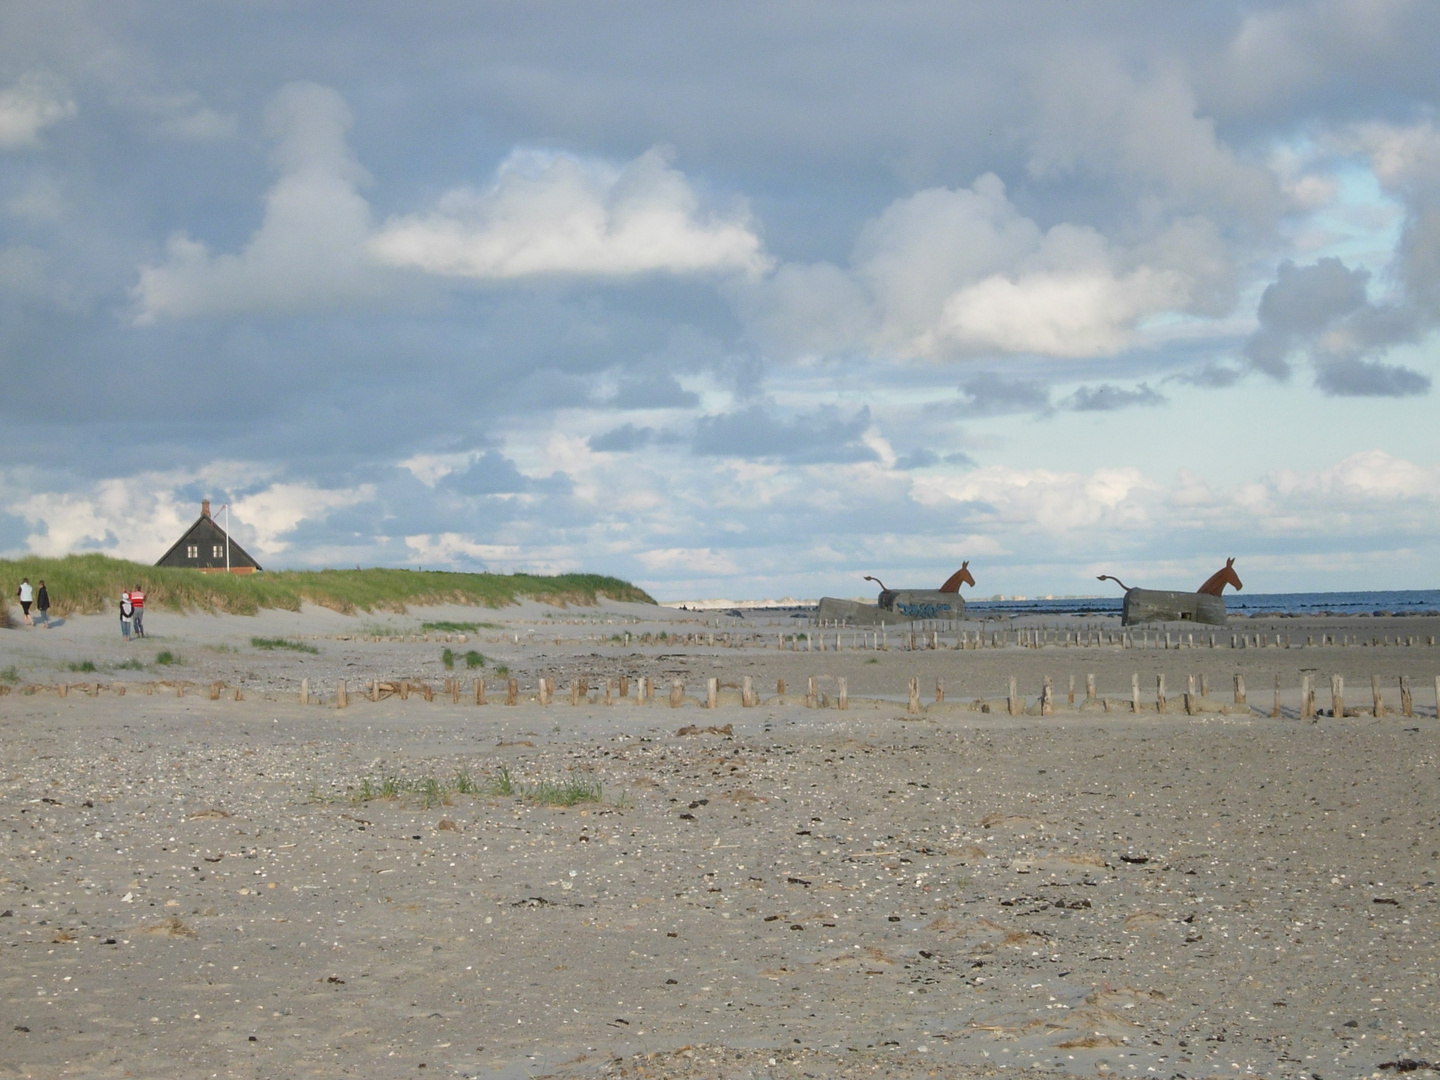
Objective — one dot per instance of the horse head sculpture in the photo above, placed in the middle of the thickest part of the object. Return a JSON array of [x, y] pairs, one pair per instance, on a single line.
[[960, 577], [1215, 584]]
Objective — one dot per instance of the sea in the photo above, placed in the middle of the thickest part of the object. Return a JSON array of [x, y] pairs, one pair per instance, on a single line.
[[1381, 602]]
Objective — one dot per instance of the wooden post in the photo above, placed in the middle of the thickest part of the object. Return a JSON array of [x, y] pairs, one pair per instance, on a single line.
[[304, 691], [119, 689], [1204, 687], [842, 696], [1377, 696], [374, 689], [1047, 699], [939, 691], [1407, 703], [454, 690], [914, 705], [624, 686], [1014, 699], [1071, 698], [812, 693], [542, 688], [677, 693], [1337, 696], [512, 692], [1275, 710], [427, 691], [574, 691], [404, 689], [239, 694], [747, 693], [1190, 695], [480, 691], [712, 693], [180, 689], [1239, 689], [1307, 699], [1090, 687], [1160, 692], [608, 699], [341, 700], [780, 688]]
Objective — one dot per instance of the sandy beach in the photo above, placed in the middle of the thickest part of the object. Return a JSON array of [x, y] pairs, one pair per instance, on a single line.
[[198, 887]]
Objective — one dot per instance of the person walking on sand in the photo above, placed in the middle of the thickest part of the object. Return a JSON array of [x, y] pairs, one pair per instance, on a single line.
[[127, 611], [25, 599], [137, 601], [42, 605]]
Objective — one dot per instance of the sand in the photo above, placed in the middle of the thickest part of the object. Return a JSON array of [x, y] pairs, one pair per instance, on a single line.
[[192, 887]]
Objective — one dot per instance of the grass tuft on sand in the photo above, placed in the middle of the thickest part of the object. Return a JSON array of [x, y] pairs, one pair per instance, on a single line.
[[428, 792], [87, 584], [270, 644]]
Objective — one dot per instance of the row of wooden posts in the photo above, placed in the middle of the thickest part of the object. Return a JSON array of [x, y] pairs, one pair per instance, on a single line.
[[915, 639], [618, 689]]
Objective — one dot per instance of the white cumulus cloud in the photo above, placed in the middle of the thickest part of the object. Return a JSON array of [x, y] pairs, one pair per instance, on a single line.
[[27, 109], [553, 213]]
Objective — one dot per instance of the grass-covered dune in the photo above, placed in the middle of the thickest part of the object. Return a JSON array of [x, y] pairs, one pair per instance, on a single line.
[[85, 584]]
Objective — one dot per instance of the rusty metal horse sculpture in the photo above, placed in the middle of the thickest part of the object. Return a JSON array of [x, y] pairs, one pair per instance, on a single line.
[[1204, 605], [900, 605]]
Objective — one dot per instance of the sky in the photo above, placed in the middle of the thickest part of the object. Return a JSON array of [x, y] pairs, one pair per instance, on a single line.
[[730, 300]]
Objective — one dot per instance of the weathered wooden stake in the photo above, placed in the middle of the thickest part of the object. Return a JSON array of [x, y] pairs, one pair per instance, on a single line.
[[574, 691], [427, 691], [1090, 687], [624, 686], [1190, 695], [842, 696], [1337, 696], [454, 690], [304, 691], [1275, 709], [1159, 693], [404, 689], [1013, 701], [1135, 692], [341, 700], [608, 699], [747, 693], [914, 705], [1306, 699], [1377, 696], [1047, 698], [1239, 689], [1407, 703], [780, 687], [480, 691], [812, 693], [939, 691], [239, 694], [677, 693]]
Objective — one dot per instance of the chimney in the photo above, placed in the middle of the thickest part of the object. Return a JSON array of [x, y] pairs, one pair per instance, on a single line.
[[205, 508]]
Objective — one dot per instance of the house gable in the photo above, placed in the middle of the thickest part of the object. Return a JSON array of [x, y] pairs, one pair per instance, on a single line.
[[203, 548]]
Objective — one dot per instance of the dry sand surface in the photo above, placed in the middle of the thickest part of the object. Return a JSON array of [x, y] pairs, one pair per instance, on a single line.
[[196, 887]]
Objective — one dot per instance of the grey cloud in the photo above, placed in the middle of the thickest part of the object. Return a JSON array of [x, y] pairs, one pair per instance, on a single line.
[[1212, 376], [1108, 397], [1323, 310], [495, 474], [826, 435], [989, 394], [628, 437], [924, 458], [1352, 377], [1297, 306], [657, 390]]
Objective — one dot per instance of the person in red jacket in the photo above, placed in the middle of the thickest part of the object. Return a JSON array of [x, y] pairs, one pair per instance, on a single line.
[[137, 601]]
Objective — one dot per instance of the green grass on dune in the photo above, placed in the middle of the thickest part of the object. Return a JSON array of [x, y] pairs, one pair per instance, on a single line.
[[85, 584]]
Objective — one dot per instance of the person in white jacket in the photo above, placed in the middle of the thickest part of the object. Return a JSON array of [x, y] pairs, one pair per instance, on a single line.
[[26, 597]]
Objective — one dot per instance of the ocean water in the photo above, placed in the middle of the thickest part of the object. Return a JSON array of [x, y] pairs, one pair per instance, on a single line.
[[1398, 602]]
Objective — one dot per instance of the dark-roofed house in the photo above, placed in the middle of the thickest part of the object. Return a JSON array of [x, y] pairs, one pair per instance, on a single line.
[[205, 547]]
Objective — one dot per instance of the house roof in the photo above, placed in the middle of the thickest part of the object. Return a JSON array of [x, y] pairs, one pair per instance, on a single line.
[[203, 532]]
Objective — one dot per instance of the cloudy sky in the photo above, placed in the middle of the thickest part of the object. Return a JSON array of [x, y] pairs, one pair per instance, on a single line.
[[734, 300]]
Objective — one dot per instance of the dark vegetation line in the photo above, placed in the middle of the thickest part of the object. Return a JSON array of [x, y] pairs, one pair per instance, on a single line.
[[86, 584]]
